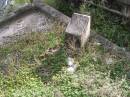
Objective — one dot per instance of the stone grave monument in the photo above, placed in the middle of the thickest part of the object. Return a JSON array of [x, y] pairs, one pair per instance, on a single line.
[[79, 26]]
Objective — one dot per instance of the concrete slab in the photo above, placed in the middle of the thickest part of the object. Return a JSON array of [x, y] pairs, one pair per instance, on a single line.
[[32, 22]]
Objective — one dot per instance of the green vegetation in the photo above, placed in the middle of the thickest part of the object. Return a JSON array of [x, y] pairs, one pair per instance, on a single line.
[[19, 66], [30, 68], [103, 22], [35, 65], [109, 25]]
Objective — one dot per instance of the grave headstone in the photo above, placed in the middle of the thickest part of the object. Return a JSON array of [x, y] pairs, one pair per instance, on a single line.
[[79, 25]]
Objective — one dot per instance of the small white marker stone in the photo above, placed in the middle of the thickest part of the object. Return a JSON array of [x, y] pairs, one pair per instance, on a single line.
[[71, 66], [70, 61]]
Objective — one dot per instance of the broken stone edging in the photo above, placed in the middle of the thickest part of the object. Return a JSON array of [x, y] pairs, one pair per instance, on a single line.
[[108, 45]]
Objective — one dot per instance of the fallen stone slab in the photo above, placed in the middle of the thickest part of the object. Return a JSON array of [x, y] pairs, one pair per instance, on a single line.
[[33, 22], [79, 25]]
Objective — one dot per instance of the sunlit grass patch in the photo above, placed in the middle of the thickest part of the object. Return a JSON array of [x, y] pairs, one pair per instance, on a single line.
[[18, 63], [36, 66]]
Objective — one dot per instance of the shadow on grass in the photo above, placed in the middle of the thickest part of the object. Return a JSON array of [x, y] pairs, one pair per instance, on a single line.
[[51, 65]]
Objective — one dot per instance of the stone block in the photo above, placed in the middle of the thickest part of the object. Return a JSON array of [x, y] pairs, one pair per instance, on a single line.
[[79, 25]]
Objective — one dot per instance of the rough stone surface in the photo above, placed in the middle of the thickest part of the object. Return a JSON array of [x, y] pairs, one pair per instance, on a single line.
[[79, 26], [34, 22], [25, 20]]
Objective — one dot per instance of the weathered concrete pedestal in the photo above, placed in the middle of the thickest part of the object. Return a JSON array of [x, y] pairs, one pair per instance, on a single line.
[[79, 26]]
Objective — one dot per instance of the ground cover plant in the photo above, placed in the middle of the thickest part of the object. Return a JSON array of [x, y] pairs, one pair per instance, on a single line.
[[103, 22], [35, 66]]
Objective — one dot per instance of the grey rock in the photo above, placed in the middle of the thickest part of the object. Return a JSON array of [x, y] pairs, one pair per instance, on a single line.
[[33, 22]]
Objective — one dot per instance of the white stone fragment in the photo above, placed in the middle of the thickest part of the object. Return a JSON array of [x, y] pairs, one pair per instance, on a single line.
[[109, 61], [71, 66], [70, 61], [72, 69]]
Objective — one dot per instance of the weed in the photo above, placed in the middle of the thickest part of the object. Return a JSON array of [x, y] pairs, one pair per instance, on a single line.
[[105, 23], [36, 65], [42, 70]]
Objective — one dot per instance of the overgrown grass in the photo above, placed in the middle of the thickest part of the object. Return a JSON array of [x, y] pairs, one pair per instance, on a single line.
[[19, 65], [109, 25], [103, 22], [29, 68]]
